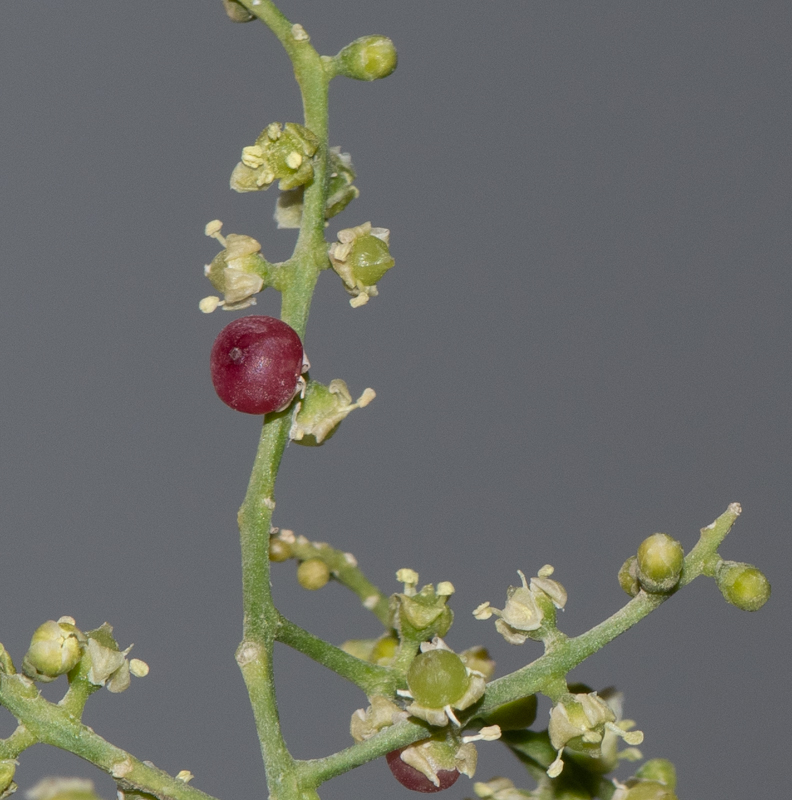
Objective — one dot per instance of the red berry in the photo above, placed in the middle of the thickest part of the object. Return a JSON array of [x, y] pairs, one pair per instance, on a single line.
[[411, 778], [256, 364]]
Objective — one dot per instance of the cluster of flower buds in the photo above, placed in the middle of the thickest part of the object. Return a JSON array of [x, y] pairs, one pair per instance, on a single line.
[[656, 568], [280, 153], [530, 609], [321, 410], [361, 258], [59, 647]]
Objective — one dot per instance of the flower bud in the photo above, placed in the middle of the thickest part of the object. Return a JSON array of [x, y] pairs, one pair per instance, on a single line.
[[279, 550], [321, 410], [237, 12], [56, 648], [742, 585], [628, 576], [660, 560], [361, 257], [367, 59], [313, 574]]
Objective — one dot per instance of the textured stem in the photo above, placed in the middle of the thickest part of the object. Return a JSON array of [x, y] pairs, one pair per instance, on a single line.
[[54, 725]]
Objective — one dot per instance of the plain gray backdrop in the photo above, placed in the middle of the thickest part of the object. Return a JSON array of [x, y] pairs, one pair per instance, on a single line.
[[586, 339]]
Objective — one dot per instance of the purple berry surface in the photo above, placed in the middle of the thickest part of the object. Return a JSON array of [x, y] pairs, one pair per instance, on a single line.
[[256, 364], [411, 778]]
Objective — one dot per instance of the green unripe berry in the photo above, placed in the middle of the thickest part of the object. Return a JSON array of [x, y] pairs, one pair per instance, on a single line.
[[660, 560], [313, 574], [367, 59], [513, 716], [437, 678], [658, 769], [55, 649], [743, 585]]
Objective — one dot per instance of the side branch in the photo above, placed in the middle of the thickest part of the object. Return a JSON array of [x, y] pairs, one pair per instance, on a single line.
[[51, 724]]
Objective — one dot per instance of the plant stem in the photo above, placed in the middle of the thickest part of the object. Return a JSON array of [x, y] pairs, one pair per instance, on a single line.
[[261, 619], [51, 724], [371, 678]]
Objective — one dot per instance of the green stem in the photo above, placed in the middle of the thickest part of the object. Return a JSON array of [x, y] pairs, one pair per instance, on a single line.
[[261, 619], [371, 678], [51, 724], [533, 677], [345, 570]]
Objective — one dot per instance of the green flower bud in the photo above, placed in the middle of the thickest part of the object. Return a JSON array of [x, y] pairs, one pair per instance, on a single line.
[[56, 648], [742, 585], [658, 769], [280, 153], [628, 576], [660, 560], [321, 410], [367, 59], [361, 257], [237, 12], [7, 770], [313, 574], [279, 550]]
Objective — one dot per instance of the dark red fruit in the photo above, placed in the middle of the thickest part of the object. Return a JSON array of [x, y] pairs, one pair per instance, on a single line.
[[411, 778], [256, 364]]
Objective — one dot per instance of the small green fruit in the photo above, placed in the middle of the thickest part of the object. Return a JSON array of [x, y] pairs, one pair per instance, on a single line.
[[437, 678], [743, 585], [660, 560]]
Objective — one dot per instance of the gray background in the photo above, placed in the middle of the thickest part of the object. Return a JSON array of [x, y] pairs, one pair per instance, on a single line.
[[585, 340]]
